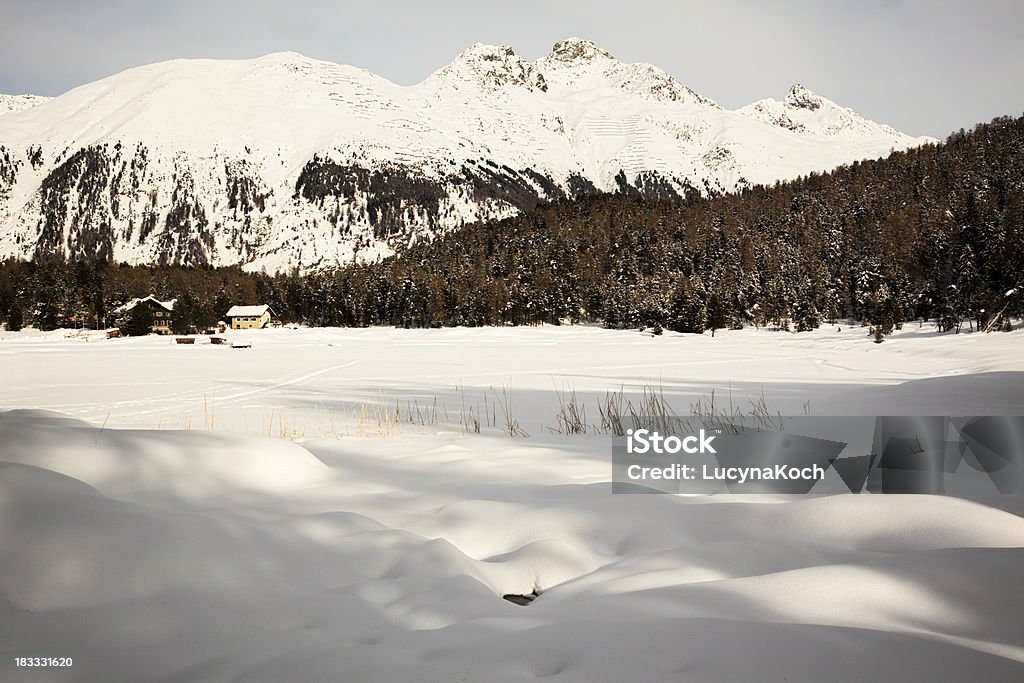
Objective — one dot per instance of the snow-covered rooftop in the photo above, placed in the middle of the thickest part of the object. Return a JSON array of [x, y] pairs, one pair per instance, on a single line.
[[167, 305], [245, 311]]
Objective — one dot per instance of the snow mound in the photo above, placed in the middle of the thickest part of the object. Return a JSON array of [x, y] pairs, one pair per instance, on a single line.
[[65, 546], [225, 557], [139, 465], [386, 559]]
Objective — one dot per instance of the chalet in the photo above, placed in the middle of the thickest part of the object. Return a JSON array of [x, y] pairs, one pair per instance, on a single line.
[[162, 313], [250, 317]]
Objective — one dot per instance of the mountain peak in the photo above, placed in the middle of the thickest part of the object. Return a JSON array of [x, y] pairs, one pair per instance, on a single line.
[[800, 97], [10, 104], [577, 50], [493, 67], [653, 83], [285, 54], [285, 160], [486, 51], [575, 63], [285, 57], [805, 112]]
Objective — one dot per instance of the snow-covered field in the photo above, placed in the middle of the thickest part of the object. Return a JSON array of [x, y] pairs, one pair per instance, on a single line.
[[309, 383], [370, 546]]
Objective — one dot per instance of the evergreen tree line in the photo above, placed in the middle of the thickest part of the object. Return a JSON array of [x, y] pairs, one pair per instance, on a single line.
[[935, 233], [49, 293]]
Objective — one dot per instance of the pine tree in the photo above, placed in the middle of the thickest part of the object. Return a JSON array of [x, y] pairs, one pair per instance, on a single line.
[[140, 323], [183, 316], [15, 319], [717, 315]]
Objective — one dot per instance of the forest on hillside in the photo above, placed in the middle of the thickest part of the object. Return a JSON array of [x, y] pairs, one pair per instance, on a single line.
[[930, 233]]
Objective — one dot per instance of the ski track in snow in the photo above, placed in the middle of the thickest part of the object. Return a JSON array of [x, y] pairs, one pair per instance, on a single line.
[[137, 380]]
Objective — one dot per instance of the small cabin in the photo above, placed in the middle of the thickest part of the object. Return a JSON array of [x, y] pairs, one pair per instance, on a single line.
[[250, 317]]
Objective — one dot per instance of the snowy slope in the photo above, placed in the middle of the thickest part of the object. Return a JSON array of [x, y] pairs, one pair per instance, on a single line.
[[13, 103], [805, 112], [288, 161]]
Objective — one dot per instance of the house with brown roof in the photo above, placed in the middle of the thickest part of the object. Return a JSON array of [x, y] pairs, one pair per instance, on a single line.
[[163, 313]]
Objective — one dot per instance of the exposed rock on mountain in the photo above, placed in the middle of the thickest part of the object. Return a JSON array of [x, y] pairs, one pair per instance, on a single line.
[[285, 161]]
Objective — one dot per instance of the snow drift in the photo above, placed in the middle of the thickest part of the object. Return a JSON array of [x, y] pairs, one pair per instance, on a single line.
[[188, 555]]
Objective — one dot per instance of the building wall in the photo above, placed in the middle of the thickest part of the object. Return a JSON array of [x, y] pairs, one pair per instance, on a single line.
[[161, 321], [249, 322]]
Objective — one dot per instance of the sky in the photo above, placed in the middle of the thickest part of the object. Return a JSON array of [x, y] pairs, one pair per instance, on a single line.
[[926, 67]]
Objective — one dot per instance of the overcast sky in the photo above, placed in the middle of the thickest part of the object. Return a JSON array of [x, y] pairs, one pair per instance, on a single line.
[[923, 66]]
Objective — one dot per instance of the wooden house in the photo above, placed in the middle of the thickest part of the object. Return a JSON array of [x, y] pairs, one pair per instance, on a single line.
[[163, 313]]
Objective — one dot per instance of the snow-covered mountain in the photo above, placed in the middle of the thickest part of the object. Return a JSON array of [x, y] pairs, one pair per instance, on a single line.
[[803, 111], [13, 103], [286, 161]]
